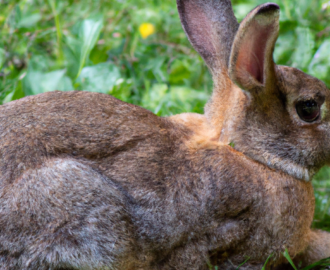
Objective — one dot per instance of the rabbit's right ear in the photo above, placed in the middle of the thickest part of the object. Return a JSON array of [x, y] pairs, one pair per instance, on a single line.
[[210, 26], [251, 61]]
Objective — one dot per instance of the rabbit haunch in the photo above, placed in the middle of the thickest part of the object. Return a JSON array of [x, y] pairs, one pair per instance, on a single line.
[[90, 182]]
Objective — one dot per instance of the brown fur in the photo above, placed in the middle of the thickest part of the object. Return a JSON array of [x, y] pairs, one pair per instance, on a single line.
[[90, 182]]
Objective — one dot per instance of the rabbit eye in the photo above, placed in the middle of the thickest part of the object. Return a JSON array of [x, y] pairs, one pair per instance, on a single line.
[[308, 110]]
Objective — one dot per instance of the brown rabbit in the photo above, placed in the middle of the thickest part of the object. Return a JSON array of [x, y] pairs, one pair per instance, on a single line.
[[90, 182]]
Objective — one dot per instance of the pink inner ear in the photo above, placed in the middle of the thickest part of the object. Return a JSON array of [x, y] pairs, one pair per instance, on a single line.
[[252, 54]]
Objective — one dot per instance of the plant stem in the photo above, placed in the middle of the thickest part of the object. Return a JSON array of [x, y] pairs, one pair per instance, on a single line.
[[58, 30]]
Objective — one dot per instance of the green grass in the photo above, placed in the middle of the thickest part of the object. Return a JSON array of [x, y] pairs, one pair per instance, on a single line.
[[96, 46]]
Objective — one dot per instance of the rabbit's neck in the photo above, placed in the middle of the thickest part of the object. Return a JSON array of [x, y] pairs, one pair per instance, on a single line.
[[291, 168], [224, 108], [225, 113], [272, 149]]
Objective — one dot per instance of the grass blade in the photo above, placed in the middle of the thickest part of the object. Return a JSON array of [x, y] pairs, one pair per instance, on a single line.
[[52, 4], [264, 267], [324, 262], [248, 258], [287, 256]]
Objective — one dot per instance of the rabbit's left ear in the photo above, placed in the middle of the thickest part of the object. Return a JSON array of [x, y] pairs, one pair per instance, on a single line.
[[211, 27], [251, 64]]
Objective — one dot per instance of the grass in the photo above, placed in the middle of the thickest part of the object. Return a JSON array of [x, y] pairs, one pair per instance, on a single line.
[[137, 51]]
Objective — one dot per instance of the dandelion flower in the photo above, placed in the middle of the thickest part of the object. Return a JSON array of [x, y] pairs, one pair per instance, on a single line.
[[146, 29]]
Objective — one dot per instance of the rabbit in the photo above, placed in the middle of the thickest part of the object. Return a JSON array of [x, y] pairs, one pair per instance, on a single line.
[[91, 182]]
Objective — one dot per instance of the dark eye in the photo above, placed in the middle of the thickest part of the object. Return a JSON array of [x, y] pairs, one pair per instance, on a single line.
[[308, 110]]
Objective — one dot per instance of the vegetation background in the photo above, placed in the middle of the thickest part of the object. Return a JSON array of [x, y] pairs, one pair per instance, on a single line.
[[137, 51]]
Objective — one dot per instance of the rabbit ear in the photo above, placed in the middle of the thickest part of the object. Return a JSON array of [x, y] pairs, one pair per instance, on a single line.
[[251, 61], [210, 26]]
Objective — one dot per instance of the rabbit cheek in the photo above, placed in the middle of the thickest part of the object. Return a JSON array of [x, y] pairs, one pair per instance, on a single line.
[[324, 111]]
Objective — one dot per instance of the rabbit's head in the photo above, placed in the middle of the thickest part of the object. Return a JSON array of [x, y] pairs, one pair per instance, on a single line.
[[276, 115]]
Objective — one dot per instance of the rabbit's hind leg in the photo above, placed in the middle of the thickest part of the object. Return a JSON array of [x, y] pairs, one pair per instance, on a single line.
[[318, 248], [64, 215]]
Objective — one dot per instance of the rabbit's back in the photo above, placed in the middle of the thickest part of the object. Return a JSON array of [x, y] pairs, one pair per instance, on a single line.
[[82, 125]]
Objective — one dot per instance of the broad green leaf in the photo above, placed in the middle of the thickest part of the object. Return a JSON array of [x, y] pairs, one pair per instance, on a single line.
[[8, 98], [162, 101], [179, 72], [65, 84], [285, 45], [14, 18], [89, 32], [303, 9], [242, 9], [153, 99], [74, 45], [99, 78], [29, 20], [39, 62], [17, 93], [186, 99], [156, 65], [304, 50], [72, 55], [320, 64], [144, 15], [36, 82], [2, 57], [122, 90], [322, 199]]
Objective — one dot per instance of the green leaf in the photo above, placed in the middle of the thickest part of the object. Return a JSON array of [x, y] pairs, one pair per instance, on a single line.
[[142, 15], [122, 90], [242, 9], [89, 32], [2, 57], [74, 45], [65, 84], [179, 72], [29, 20], [14, 17], [287, 256], [17, 93], [155, 65], [72, 55], [322, 199], [232, 144], [99, 78], [179, 99], [36, 82], [304, 50], [154, 97], [320, 65]]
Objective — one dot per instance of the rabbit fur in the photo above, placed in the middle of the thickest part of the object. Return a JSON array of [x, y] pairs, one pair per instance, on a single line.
[[91, 182]]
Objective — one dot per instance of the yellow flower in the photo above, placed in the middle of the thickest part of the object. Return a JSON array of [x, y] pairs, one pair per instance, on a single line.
[[146, 29]]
